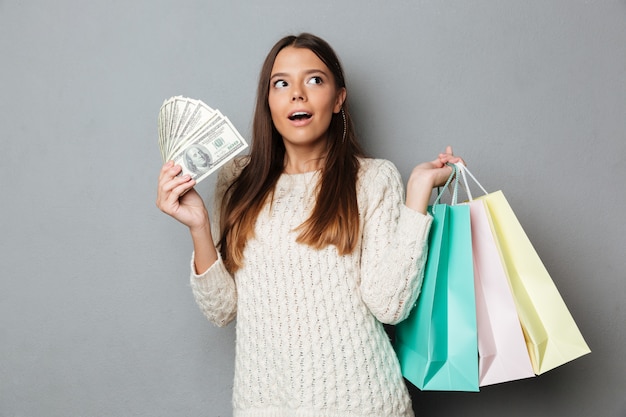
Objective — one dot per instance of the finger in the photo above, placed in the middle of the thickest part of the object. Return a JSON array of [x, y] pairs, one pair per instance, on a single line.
[[169, 174], [448, 157], [166, 166], [169, 191], [170, 187], [448, 153], [170, 202], [169, 170], [181, 189]]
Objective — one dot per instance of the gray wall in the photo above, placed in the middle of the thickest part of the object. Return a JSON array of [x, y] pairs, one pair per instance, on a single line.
[[96, 315]]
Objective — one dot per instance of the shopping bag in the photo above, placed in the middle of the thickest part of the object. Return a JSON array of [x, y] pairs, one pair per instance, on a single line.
[[502, 351], [551, 334], [437, 344]]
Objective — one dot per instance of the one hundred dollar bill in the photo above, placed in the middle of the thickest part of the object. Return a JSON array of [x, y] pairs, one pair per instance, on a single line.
[[196, 137]]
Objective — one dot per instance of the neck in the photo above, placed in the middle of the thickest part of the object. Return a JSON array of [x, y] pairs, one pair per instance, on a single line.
[[298, 161]]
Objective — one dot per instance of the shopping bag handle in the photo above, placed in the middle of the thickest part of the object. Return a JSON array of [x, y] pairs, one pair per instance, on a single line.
[[455, 188], [462, 169]]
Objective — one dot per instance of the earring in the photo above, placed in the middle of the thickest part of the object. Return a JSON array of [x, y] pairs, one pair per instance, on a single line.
[[345, 126]]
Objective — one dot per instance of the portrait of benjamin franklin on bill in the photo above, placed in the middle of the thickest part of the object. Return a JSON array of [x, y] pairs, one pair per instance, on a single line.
[[197, 159]]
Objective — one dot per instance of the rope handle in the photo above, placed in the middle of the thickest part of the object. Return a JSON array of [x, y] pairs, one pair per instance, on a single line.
[[464, 171], [453, 177]]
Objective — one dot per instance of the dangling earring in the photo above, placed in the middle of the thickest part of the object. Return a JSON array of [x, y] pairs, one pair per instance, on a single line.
[[345, 126]]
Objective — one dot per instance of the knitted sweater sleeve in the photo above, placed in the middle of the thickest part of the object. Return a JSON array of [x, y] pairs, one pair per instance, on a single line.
[[214, 290], [394, 244]]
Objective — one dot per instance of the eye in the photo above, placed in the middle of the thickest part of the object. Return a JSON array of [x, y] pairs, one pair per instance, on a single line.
[[316, 80], [280, 84]]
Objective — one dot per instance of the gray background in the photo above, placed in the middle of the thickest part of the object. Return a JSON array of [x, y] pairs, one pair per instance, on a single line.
[[96, 315]]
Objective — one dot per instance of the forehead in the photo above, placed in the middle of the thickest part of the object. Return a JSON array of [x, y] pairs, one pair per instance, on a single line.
[[293, 60]]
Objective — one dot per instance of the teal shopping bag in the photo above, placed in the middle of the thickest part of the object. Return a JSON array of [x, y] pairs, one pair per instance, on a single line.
[[437, 345]]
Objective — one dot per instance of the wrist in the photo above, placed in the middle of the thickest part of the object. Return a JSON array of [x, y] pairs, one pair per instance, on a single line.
[[200, 229], [205, 253], [419, 190], [421, 181]]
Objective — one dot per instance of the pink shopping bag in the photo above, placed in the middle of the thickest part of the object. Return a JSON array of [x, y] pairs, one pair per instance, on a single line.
[[502, 351]]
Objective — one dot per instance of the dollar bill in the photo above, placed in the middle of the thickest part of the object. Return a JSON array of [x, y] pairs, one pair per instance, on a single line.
[[197, 137], [198, 117]]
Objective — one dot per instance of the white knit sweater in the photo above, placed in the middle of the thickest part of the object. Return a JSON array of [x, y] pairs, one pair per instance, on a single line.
[[310, 342]]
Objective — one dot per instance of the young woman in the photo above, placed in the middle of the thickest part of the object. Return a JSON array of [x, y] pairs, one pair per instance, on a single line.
[[313, 247]]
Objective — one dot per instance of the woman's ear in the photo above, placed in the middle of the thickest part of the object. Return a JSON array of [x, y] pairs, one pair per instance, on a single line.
[[341, 97]]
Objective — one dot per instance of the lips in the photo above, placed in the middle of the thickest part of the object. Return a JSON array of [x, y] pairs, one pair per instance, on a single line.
[[299, 115]]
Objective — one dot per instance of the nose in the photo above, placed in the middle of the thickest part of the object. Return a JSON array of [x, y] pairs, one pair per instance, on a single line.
[[297, 95]]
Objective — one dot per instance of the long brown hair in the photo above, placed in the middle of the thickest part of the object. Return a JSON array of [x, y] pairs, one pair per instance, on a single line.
[[335, 217]]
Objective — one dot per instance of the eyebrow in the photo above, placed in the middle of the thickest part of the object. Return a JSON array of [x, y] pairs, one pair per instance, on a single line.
[[306, 72]]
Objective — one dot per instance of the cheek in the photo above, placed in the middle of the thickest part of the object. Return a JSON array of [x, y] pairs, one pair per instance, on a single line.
[[274, 108]]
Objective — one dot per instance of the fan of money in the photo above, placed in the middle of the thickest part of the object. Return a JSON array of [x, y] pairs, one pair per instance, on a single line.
[[196, 137]]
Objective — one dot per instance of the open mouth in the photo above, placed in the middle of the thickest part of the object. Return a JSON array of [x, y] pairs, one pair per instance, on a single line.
[[300, 115]]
